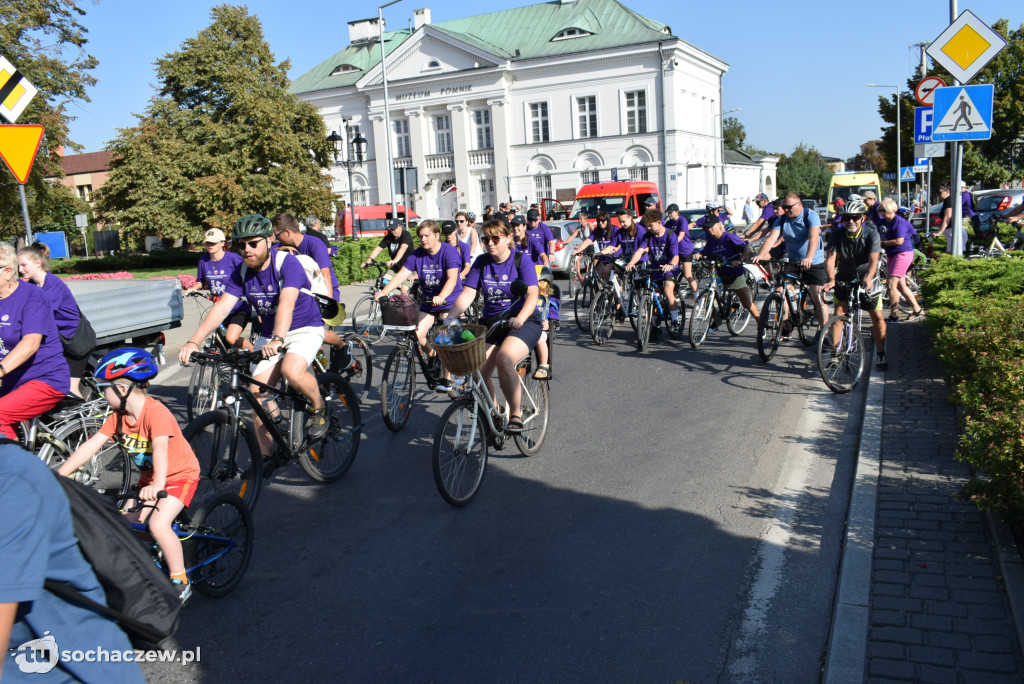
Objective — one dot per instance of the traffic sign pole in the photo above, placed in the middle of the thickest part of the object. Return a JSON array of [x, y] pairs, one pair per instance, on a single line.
[[24, 213]]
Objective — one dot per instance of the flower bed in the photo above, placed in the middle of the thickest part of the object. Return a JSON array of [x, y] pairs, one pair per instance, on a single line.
[[121, 275]]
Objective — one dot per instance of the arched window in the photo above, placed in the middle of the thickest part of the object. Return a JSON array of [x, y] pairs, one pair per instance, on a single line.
[[569, 33], [344, 69], [432, 65]]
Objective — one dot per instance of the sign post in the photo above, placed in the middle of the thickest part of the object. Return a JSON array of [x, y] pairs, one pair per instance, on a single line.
[[15, 94]]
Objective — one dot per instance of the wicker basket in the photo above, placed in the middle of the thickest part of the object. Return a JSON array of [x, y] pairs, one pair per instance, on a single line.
[[464, 358]]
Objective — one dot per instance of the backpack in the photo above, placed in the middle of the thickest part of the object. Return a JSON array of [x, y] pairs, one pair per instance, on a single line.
[[314, 275], [140, 597]]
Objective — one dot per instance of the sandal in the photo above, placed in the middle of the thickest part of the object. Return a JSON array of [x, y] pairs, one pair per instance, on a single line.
[[893, 317], [915, 315], [515, 426], [543, 372]]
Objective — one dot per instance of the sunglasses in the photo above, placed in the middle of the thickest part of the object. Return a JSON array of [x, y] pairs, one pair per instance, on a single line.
[[251, 244], [787, 207], [460, 220], [491, 239]]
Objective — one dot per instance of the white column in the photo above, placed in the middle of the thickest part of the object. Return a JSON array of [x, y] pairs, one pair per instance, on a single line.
[[501, 120], [382, 182], [460, 147]]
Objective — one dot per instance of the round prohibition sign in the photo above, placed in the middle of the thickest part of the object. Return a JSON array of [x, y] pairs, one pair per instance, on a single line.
[[924, 93]]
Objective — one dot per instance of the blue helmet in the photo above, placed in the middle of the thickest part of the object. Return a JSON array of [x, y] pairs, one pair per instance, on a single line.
[[132, 363]]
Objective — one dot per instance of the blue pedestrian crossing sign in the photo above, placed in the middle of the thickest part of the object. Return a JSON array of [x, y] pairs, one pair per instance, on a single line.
[[922, 125], [906, 173], [963, 113]]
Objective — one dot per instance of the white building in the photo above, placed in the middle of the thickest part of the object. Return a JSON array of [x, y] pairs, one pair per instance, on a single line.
[[528, 103]]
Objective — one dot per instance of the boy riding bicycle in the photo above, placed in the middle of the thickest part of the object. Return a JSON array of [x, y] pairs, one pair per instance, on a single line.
[[150, 434]]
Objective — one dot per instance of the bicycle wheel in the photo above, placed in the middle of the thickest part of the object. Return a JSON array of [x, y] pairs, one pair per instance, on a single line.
[[535, 410], [204, 388], [841, 354], [359, 371], [366, 319], [459, 458], [645, 308], [218, 552], [769, 327], [738, 315], [807, 322], [229, 457], [602, 317], [397, 386], [328, 458], [700, 318], [581, 303], [632, 305], [674, 327], [109, 472]]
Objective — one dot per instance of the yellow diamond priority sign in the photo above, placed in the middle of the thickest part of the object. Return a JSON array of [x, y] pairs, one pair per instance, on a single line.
[[966, 46], [15, 91]]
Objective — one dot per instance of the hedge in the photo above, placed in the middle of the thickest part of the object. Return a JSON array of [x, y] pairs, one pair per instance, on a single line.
[[975, 315]]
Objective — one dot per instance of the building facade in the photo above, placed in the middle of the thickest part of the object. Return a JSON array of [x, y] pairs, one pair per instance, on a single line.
[[524, 104]]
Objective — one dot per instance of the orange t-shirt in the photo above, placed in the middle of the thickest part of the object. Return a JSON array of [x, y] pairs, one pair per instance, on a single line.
[[155, 421]]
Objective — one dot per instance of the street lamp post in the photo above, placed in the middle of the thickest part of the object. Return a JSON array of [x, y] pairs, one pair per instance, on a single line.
[[721, 131], [354, 147], [387, 108], [896, 100]]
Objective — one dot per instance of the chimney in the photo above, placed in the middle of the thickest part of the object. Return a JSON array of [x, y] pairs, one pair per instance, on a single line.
[[421, 18], [362, 30]]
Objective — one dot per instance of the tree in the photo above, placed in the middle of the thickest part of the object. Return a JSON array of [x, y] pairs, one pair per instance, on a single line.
[[222, 138], [734, 133], [804, 172], [870, 158], [45, 42]]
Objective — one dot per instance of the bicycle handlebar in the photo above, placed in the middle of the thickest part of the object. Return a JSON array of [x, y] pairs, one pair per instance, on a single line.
[[140, 504], [234, 357]]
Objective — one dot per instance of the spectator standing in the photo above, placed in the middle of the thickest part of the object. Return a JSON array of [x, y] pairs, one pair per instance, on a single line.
[[748, 213], [947, 219], [311, 226]]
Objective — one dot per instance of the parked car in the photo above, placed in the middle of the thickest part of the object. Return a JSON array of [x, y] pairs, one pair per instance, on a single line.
[[561, 230], [997, 203]]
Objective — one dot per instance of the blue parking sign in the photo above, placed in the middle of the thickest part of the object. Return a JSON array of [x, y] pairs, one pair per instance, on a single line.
[[922, 124]]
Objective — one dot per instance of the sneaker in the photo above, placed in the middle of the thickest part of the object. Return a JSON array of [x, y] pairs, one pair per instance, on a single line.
[[787, 330], [881, 363], [184, 590], [442, 388], [316, 426]]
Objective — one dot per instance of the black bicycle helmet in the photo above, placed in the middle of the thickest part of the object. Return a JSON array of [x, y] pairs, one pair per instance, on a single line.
[[253, 225]]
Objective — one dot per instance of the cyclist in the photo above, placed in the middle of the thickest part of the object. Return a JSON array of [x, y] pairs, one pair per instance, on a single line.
[[467, 232], [627, 238], [600, 237], [661, 246], [215, 267], [731, 251], [540, 233], [801, 229], [398, 242], [291, 318], [681, 227], [150, 433], [524, 242], [723, 215], [437, 265], [763, 224], [287, 232], [33, 373], [493, 274], [451, 236], [853, 253], [898, 241]]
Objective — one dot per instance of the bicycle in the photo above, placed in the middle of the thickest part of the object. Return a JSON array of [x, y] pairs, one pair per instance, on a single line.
[[712, 305], [579, 270], [398, 382], [653, 308], [216, 539], [584, 297], [612, 305], [802, 316], [366, 316], [473, 421], [840, 346], [226, 445]]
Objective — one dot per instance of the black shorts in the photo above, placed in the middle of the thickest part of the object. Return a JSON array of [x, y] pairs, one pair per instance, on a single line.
[[530, 332], [688, 259], [240, 317], [815, 275]]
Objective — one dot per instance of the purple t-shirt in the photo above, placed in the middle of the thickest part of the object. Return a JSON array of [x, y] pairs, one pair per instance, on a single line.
[[967, 201], [768, 213], [723, 218], [627, 244], [729, 247], [495, 280], [261, 290], [542, 234], [432, 272], [899, 227], [317, 251], [65, 310], [465, 253], [534, 247], [602, 239], [661, 251], [26, 311], [215, 274]]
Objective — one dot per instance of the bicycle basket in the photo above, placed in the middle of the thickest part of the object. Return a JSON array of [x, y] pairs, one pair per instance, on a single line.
[[399, 309], [464, 358]]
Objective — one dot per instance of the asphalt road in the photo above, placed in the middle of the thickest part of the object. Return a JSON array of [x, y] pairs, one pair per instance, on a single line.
[[682, 523]]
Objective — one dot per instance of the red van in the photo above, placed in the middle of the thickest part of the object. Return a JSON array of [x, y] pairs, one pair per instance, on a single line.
[[611, 196], [370, 220]]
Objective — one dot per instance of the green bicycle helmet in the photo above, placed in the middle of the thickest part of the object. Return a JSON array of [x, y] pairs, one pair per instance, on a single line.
[[253, 225]]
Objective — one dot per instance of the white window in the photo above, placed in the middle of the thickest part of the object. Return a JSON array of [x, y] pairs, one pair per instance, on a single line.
[[344, 69], [589, 177], [539, 122], [443, 134], [487, 195], [542, 186], [402, 146], [359, 197], [638, 173], [85, 192], [482, 121], [586, 110], [571, 33], [432, 65], [636, 112]]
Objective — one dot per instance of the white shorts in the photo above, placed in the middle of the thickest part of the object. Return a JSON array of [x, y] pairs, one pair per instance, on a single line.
[[305, 342]]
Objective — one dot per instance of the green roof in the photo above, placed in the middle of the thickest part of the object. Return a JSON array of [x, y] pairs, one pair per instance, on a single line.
[[527, 29]]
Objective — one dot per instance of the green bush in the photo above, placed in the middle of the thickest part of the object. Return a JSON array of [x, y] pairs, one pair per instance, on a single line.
[[975, 316], [163, 258], [350, 254]]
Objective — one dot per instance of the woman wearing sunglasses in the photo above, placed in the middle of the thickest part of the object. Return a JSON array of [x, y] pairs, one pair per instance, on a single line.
[[466, 228], [493, 274]]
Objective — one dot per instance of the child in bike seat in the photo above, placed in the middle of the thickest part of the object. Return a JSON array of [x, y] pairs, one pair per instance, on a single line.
[[150, 434], [548, 305]]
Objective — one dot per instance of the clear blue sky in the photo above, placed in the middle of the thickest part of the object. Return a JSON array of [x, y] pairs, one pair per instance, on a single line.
[[796, 69]]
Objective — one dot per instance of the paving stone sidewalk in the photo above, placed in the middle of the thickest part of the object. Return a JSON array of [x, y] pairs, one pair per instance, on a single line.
[[939, 609]]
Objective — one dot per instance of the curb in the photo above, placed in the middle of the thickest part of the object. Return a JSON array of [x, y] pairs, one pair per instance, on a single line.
[[847, 645], [1011, 568]]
